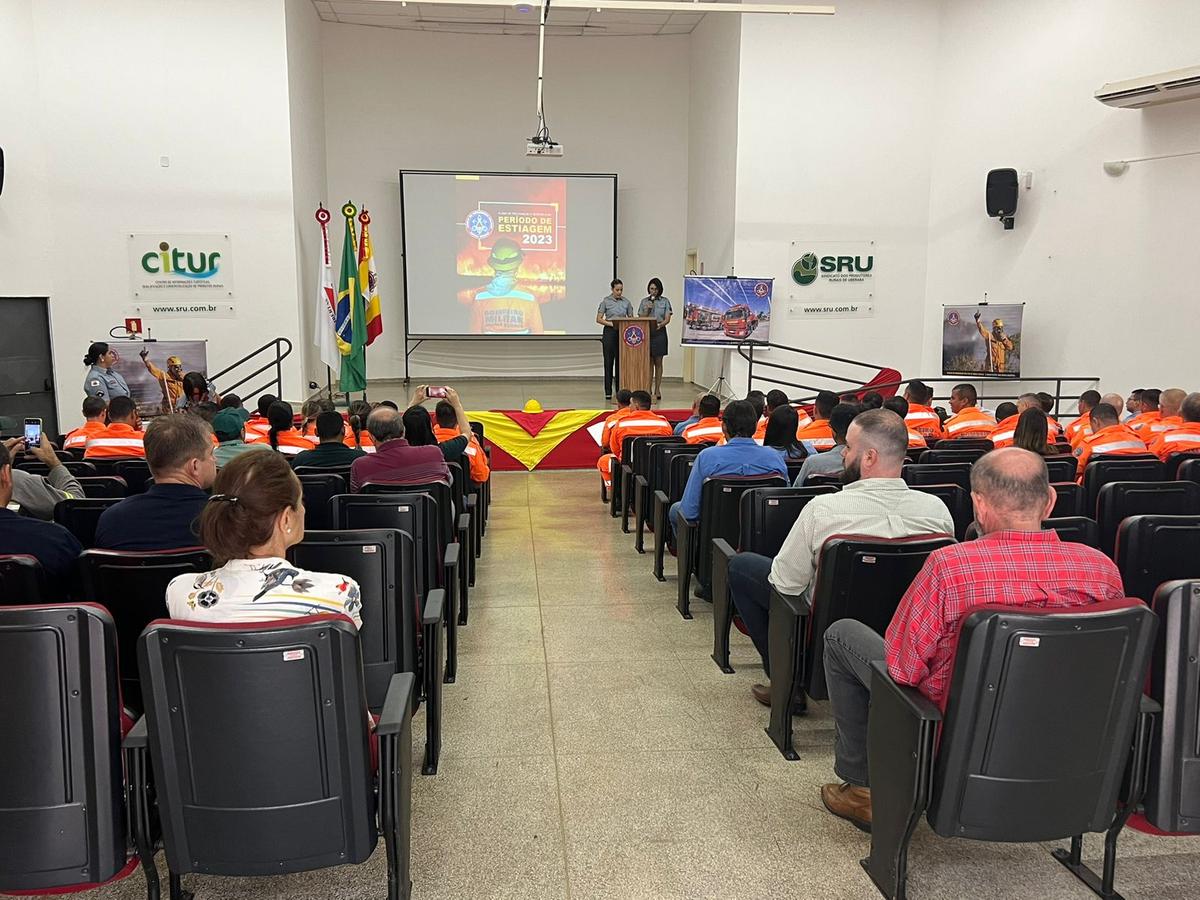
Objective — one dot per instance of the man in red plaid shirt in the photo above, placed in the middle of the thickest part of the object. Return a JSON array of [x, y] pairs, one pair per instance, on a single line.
[[1015, 563]]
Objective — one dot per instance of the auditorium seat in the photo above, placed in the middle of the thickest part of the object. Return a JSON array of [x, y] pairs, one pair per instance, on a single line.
[[1073, 529], [96, 486], [1152, 550], [1031, 746], [1173, 464], [1061, 468], [343, 471], [1173, 792], [671, 491], [637, 464], [939, 473], [961, 444], [274, 771], [957, 500], [950, 456], [75, 467], [62, 783], [1189, 470], [1102, 470], [720, 503], [80, 516], [22, 581], [401, 629], [466, 502], [318, 489], [856, 578], [132, 586], [616, 499], [823, 479], [765, 518], [136, 473], [1118, 500], [644, 487], [1070, 499]]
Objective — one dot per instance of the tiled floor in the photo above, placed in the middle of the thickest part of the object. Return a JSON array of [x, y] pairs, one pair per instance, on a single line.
[[593, 750]]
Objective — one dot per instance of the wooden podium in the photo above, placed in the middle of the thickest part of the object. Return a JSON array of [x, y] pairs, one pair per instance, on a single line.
[[633, 351]]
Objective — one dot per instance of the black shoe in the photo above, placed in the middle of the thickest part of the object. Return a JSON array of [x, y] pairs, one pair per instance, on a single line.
[[608, 398], [703, 593]]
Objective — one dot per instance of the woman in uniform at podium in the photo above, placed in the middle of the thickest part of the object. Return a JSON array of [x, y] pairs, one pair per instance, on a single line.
[[658, 306], [101, 380], [613, 306]]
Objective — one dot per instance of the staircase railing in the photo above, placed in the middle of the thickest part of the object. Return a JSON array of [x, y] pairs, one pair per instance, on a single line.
[[274, 352], [844, 384]]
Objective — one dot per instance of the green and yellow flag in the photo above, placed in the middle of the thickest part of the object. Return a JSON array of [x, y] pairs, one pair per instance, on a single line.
[[352, 312]]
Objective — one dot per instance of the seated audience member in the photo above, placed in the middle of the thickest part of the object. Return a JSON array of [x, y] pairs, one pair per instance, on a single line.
[[196, 389], [1082, 424], [394, 460], [690, 420], [1012, 495], [1170, 404], [1033, 433], [36, 495], [257, 425], [1149, 413], [50, 544], [357, 435], [332, 450], [758, 400], [256, 514], [780, 435], [1116, 401], [771, 402], [921, 416], [1004, 431], [94, 409], [707, 428], [122, 437], [641, 422], [831, 461], [205, 409], [623, 397], [179, 451], [872, 400], [447, 427], [875, 502], [968, 420], [817, 435], [899, 406], [418, 428], [309, 410], [1133, 405], [227, 427], [1006, 409], [739, 456], [234, 402], [1046, 402], [1109, 437], [389, 404], [283, 435], [1183, 438]]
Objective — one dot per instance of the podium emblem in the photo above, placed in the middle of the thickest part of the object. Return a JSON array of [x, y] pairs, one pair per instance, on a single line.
[[635, 336]]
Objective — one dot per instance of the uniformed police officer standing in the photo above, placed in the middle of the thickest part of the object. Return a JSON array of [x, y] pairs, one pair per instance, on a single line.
[[613, 306], [658, 306], [101, 381]]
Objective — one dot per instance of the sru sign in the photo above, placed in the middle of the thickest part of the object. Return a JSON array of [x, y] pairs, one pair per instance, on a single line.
[[846, 264], [805, 269]]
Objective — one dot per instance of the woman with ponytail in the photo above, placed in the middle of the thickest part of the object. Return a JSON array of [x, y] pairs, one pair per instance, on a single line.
[[359, 438], [101, 381], [255, 514], [282, 434]]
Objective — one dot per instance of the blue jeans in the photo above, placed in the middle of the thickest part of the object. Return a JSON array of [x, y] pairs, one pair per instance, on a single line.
[[850, 648], [672, 514], [751, 595]]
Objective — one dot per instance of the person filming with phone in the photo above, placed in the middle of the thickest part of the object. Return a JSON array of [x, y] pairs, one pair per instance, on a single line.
[[36, 495]]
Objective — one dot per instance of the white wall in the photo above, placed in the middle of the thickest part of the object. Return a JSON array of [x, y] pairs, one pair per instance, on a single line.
[[834, 144], [1106, 265], [118, 86], [454, 101], [714, 66]]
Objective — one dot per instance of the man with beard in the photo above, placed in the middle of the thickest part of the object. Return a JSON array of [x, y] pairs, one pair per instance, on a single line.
[[875, 502]]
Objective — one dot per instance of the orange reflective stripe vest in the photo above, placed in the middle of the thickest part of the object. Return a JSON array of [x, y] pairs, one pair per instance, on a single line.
[[970, 422], [924, 421], [1115, 440], [818, 433], [77, 439], [1184, 439], [706, 431], [119, 441]]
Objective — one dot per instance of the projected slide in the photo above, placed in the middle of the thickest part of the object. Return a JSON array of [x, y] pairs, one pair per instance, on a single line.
[[506, 255], [726, 311]]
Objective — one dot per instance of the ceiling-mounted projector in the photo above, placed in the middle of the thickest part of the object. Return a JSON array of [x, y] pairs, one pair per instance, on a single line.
[[543, 147]]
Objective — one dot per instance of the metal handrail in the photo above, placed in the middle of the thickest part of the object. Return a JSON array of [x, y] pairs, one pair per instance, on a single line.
[[849, 384], [282, 348]]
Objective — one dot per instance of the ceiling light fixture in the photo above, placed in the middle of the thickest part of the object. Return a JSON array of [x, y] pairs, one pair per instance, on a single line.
[[668, 6]]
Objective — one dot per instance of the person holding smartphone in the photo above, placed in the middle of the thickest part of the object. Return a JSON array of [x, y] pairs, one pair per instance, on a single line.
[[101, 380], [36, 495], [55, 548]]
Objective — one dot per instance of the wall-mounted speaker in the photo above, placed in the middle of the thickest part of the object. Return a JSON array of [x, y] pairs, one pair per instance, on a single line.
[[1002, 195]]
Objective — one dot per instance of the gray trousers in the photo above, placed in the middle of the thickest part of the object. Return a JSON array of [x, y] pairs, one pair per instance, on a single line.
[[850, 648]]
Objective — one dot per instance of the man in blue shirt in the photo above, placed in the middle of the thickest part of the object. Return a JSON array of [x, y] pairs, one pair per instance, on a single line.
[[179, 451], [690, 420], [50, 544]]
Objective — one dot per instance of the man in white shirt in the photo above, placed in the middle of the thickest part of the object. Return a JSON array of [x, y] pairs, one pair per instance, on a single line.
[[874, 502]]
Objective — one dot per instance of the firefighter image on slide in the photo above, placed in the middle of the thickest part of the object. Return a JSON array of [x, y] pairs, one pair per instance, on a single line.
[[499, 308], [171, 380], [999, 345]]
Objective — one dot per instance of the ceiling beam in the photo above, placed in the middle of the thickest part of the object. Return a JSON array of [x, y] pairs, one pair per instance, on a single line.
[[669, 6]]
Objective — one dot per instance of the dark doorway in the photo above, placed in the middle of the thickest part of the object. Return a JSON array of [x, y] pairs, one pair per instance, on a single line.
[[26, 366]]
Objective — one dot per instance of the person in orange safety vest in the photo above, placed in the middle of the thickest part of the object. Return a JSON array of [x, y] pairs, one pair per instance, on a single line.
[[1170, 404], [898, 405], [1002, 434], [921, 417], [623, 410], [1087, 402], [818, 434], [968, 421], [1109, 438], [641, 422], [709, 429], [446, 429], [1149, 415], [93, 415], [1181, 438], [122, 438], [775, 399]]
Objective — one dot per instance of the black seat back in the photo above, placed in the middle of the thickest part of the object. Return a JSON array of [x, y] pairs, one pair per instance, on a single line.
[[62, 813], [259, 745], [823, 479], [443, 497], [950, 456], [1075, 530], [1062, 468], [81, 516], [962, 444], [1173, 794], [132, 587], [767, 514], [382, 561], [1155, 549], [22, 581], [1070, 499], [939, 473], [1173, 465], [863, 579], [78, 467], [343, 471], [136, 473], [319, 489], [104, 486], [1116, 468], [1039, 714], [1118, 500], [957, 500], [413, 513], [639, 455], [1189, 470], [658, 472], [681, 468], [720, 507]]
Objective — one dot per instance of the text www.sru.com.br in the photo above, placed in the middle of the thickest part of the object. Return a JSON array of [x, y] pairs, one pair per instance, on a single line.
[[186, 308], [852, 307]]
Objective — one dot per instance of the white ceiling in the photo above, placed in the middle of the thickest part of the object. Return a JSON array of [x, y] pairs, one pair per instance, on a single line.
[[504, 20]]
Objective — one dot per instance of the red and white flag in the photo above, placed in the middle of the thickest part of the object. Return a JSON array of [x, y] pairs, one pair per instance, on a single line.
[[324, 327]]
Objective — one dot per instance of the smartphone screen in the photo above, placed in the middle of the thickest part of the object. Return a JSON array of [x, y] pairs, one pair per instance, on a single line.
[[33, 432], [437, 392]]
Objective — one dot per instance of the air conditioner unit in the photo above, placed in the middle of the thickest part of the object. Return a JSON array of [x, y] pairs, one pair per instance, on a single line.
[[1151, 90]]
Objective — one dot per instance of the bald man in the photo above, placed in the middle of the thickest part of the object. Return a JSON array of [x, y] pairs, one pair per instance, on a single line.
[[1012, 495], [1116, 401], [1170, 404], [1002, 434], [1183, 438]]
